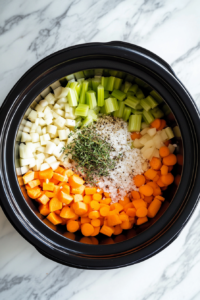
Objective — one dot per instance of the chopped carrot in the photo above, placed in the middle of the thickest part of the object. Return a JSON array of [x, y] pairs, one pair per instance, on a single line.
[[150, 174], [142, 220], [29, 176], [60, 177], [141, 212], [139, 180], [153, 208], [67, 213], [164, 151], [94, 215], [167, 143], [118, 207], [104, 211], [107, 230], [107, 195], [57, 212], [85, 220], [80, 208], [59, 170], [95, 222], [56, 189], [135, 135], [97, 197], [46, 174], [75, 181], [64, 198], [167, 179], [164, 170], [128, 205], [34, 193], [114, 220], [131, 212], [156, 123], [152, 184], [106, 201], [162, 125], [170, 160], [43, 199], [68, 173], [177, 179], [160, 183], [55, 181], [36, 175], [160, 198], [66, 189], [180, 159], [90, 191], [87, 229], [94, 205], [54, 219], [96, 231], [135, 195], [48, 186], [155, 163], [44, 209], [34, 183], [156, 178], [126, 225], [87, 199], [72, 226], [117, 230], [139, 203], [146, 190], [79, 190], [78, 198], [123, 216], [157, 191], [148, 199], [55, 204]]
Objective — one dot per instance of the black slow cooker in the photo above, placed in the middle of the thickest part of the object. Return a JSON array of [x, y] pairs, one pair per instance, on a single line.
[[136, 244]]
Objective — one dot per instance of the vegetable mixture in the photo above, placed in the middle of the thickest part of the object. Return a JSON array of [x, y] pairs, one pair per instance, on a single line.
[[64, 159]]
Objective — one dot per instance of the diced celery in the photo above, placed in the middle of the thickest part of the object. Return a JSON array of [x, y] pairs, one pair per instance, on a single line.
[[96, 109], [73, 86], [88, 73], [147, 116], [122, 87], [139, 107], [86, 122], [106, 94], [72, 98], [82, 110], [78, 89], [104, 81], [92, 114], [113, 73], [103, 110], [177, 131], [169, 132], [140, 94], [134, 123], [165, 108], [100, 95], [90, 83], [119, 95], [83, 91], [130, 78], [91, 99], [126, 113], [95, 83], [136, 112], [119, 113], [132, 102], [117, 83], [141, 82], [145, 104], [158, 98], [79, 75], [127, 86], [133, 88], [69, 77], [120, 74], [152, 102], [78, 122], [111, 105], [98, 72], [157, 113], [110, 83], [144, 125], [80, 80]]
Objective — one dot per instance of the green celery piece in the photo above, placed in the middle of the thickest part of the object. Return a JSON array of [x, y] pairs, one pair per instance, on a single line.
[[145, 104], [87, 121], [73, 86], [79, 74], [130, 78], [70, 77], [153, 103], [133, 89], [82, 110], [78, 122], [139, 107], [117, 83], [119, 95], [72, 98], [119, 113], [103, 110], [140, 82], [96, 110], [157, 113], [134, 123], [165, 108], [131, 102], [126, 113], [84, 89], [106, 94], [80, 80], [98, 72], [140, 94], [121, 74], [95, 83], [110, 83], [100, 95], [113, 72], [90, 83], [169, 132], [144, 125], [92, 114], [78, 89], [136, 112], [127, 86], [111, 105], [148, 117], [104, 82], [88, 73], [155, 95], [122, 87], [91, 99]]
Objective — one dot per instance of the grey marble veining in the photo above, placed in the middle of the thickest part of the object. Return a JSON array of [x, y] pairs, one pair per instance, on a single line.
[[31, 30]]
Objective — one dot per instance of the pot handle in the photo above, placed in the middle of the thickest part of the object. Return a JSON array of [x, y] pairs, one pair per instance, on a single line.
[[143, 51]]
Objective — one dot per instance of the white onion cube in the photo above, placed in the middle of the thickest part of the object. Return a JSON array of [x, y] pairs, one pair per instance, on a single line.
[[50, 147], [32, 116], [44, 166], [55, 165], [50, 159], [35, 137], [60, 122], [25, 137], [57, 91], [70, 123], [24, 169], [39, 108], [43, 103]]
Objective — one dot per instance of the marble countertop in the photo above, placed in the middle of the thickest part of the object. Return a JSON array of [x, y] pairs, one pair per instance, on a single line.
[[30, 30]]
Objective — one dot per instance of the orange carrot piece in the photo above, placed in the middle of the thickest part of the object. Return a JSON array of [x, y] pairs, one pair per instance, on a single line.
[[104, 211], [142, 220], [156, 123], [129, 205], [106, 230], [64, 198], [139, 203], [180, 159], [97, 196], [117, 230], [126, 225], [164, 151], [162, 125], [95, 222], [80, 190], [78, 198], [160, 183], [60, 177], [75, 181], [154, 208], [160, 198], [43, 199], [29, 176], [114, 220], [55, 204], [94, 215], [67, 213], [167, 143], [141, 212], [135, 195], [34, 193], [167, 179], [135, 135], [177, 179], [118, 207], [164, 170], [90, 191], [34, 183], [139, 180], [96, 231], [150, 174], [107, 195], [87, 229], [72, 226], [146, 190], [87, 199], [36, 175], [124, 217], [155, 163], [46, 174], [54, 219], [80, 208], [131, 212], [85, 220], [170, 160], [44, 209], [94, 205], [59, 170], [148, 199], [106, 201]]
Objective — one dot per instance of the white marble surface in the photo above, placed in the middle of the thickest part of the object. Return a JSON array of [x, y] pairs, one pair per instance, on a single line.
[[29, 31]]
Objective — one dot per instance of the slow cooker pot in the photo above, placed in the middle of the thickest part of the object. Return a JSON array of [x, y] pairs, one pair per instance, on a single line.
[[137, 244]]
